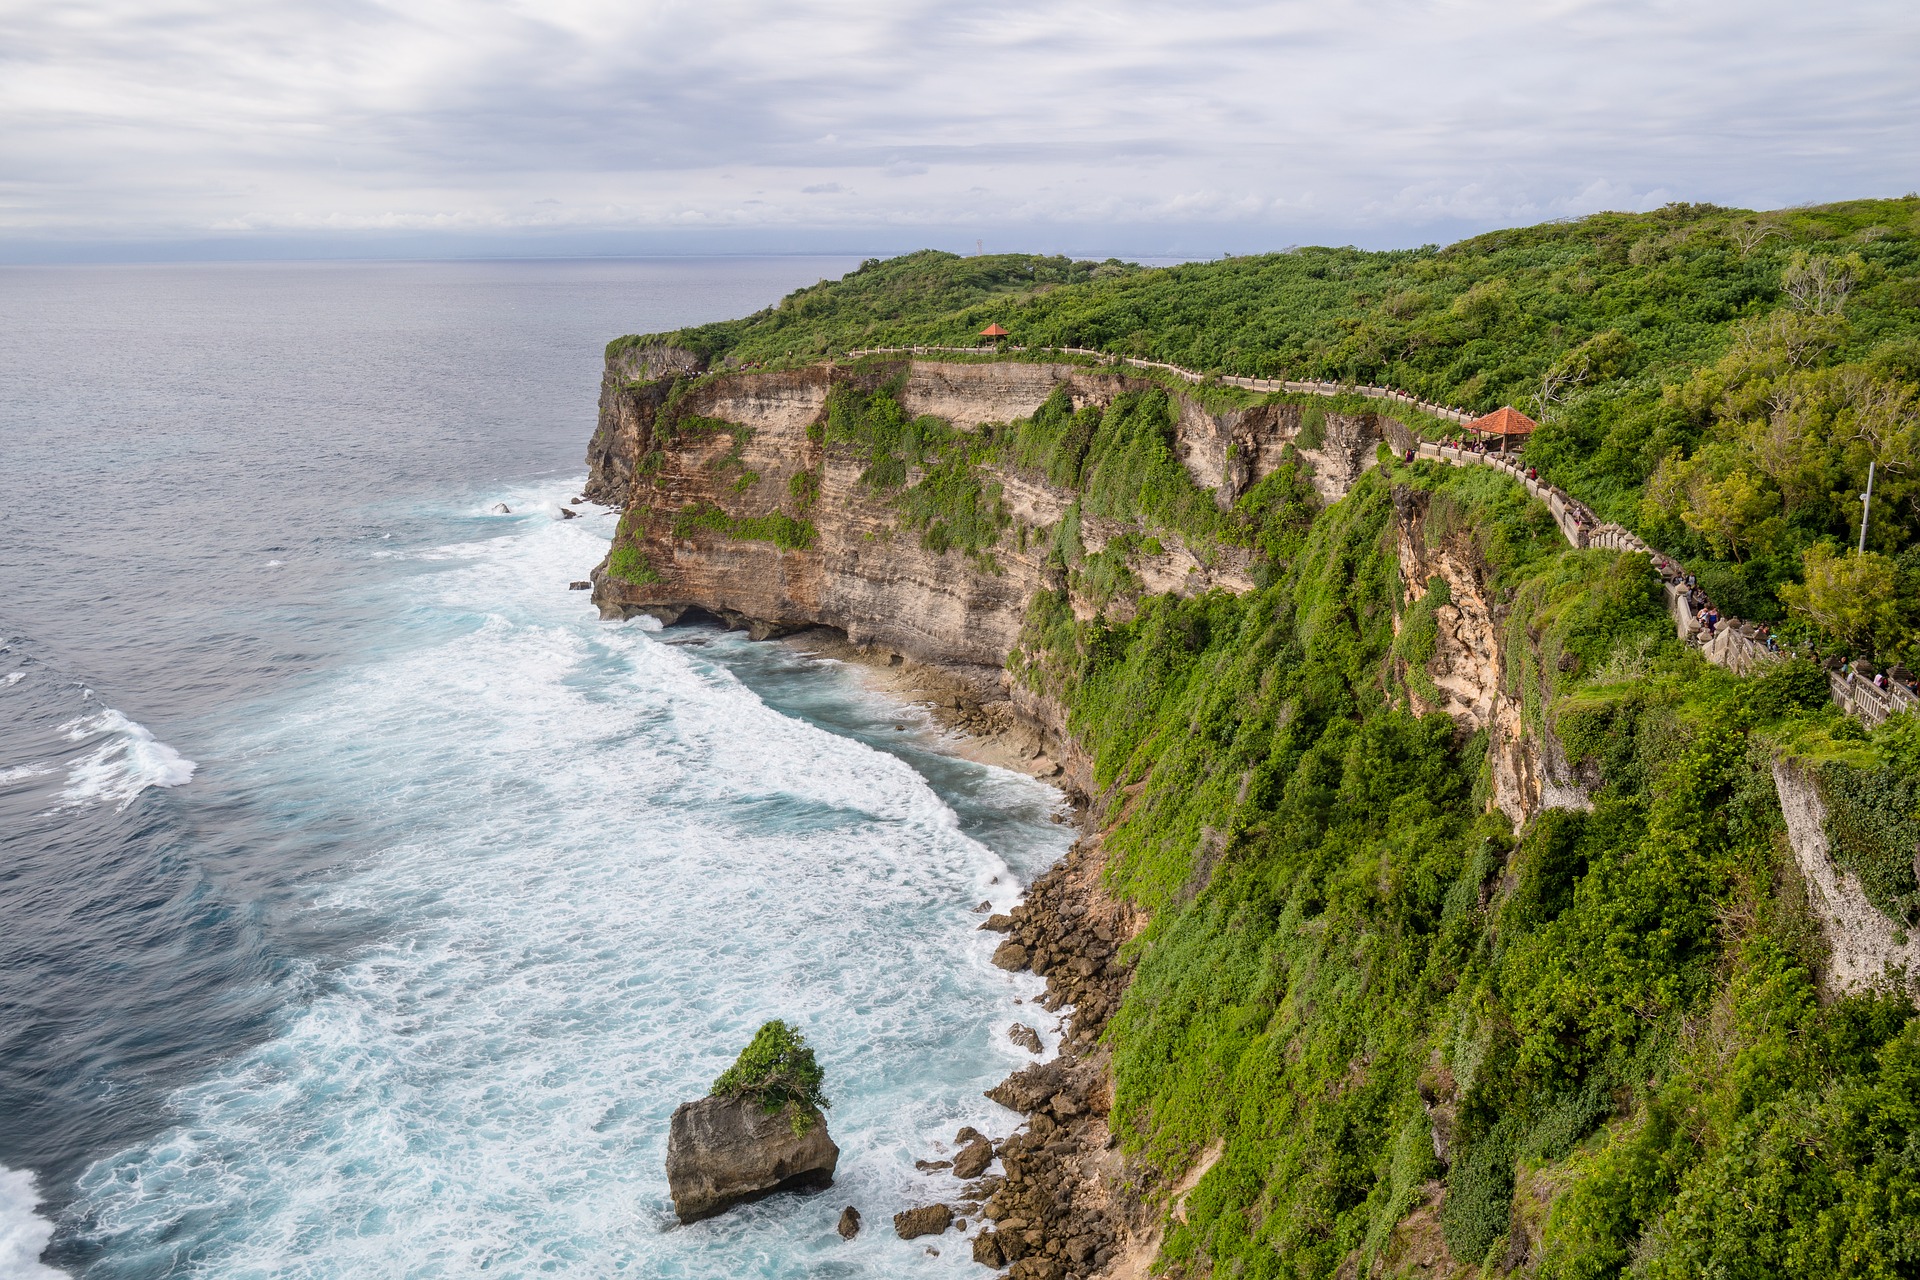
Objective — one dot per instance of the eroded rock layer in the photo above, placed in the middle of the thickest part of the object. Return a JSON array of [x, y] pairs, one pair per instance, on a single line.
[[855, 569]]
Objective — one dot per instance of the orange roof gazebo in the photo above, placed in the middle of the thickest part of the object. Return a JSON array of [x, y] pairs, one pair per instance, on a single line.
[[1504, 421], [994, 331]]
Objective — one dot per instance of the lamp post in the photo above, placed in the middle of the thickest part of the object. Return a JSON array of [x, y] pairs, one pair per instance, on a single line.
[[1866, 508]]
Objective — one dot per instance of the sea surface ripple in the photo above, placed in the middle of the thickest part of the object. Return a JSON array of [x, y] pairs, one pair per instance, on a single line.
[[369, 902]]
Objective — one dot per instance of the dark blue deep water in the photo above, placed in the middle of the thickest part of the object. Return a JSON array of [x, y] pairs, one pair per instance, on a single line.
[[366, 904]]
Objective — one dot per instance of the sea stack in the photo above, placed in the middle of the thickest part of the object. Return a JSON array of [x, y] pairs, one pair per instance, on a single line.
[[760, 1130]]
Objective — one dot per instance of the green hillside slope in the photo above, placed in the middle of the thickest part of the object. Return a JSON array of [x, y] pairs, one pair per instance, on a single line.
[[1611, 1023], [1717, 380]]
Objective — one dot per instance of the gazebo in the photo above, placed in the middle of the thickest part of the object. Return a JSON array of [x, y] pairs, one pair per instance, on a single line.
[[1506, 421], [993, 333]]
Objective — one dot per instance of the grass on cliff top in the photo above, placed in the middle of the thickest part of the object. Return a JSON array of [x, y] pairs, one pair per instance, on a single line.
[[1717, 379], [880, 300], [1615, 1015]]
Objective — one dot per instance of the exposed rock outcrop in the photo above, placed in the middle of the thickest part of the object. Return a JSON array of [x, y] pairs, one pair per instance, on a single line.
[[1866, 949], [1469, 667], [1067, 1205], [927, 1220], [721, 1151], [972, 1160], [863, 575], [858, 572]]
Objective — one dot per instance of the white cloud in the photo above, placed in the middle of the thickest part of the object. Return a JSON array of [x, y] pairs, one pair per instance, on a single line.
[[191, 117]]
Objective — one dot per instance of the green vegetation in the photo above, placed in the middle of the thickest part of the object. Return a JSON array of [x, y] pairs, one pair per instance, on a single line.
[[1610, 1020], [777, 1071], [1121, 460], [1716, 379], [1873, 816], [630, 564], [1612, 1016], [954, 504], [891, 302], [777, 527], [627, 561]]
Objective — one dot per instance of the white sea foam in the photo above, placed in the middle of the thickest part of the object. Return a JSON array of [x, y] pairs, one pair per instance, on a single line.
[[23, 1232], [598, 862], [14, 677], [21, 772], [127, 760]]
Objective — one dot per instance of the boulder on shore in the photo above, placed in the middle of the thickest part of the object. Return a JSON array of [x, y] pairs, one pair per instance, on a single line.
[[722, 1151], [928, 1220], [973, 1159], [1010, 955]]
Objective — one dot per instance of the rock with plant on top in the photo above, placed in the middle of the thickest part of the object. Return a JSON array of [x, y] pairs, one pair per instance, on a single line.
[[759, 1130]]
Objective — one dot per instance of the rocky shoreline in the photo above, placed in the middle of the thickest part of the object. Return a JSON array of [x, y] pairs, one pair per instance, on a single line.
[[1066, 1205], [738, 508], [970, 702]]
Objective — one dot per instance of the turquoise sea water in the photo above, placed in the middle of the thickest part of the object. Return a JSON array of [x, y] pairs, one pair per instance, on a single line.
[[370, 903]]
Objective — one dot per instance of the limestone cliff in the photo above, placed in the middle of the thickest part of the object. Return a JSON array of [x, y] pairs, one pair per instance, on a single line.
[[738, 506], [1468, 672], [1866, 947]]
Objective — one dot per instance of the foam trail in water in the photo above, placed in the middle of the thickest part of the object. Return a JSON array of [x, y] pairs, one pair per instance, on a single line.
[[597, 862], [23, 1233], [128, 760]]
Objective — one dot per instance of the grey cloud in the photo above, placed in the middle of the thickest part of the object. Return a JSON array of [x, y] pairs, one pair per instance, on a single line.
[[124, 118]]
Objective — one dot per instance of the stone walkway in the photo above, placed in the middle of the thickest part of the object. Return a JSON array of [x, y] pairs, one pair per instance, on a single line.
[[1733, 643]]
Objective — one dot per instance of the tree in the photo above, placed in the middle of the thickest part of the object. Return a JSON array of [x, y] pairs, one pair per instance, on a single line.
[[1749, 235], [777, 1070], [1731, 514], [1853, 598], [1820, 285]]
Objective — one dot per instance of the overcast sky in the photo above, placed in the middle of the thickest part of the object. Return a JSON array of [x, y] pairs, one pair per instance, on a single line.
[[141, 126]]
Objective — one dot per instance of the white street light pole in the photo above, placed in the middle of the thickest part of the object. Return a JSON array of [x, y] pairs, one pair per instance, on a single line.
[[1866, 508]]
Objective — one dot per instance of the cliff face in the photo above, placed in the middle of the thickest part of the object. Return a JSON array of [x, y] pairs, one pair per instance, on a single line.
[[756, 498], [793, 538], [1865, 945], [1469, 673]]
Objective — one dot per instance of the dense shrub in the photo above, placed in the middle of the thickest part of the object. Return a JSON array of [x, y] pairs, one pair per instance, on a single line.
[[777, 1071], [1343, 936]]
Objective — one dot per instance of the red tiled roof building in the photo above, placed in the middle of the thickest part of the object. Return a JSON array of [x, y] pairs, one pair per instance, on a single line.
[[1504, 421]]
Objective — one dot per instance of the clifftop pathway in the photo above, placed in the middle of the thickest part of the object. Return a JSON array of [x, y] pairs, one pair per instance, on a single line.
[[1731, 644]]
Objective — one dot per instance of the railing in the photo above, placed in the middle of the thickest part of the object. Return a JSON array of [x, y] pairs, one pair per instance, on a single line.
[[1230, 380], [1859, 696], [1731, 644]]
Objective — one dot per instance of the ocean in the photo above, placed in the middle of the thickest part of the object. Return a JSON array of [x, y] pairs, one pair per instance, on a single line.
[[366, 903]]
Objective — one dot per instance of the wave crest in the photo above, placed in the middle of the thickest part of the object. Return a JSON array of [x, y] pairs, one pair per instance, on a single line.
[[23, 1232], [127, 761]]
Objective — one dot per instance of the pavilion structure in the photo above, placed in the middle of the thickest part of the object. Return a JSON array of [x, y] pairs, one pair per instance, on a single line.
[[1505, 422], [993, 333]]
